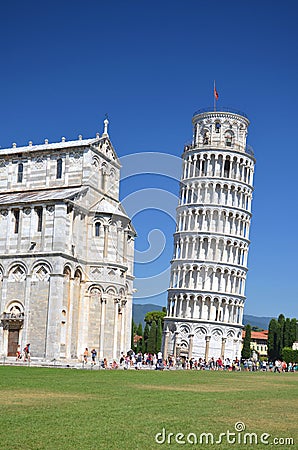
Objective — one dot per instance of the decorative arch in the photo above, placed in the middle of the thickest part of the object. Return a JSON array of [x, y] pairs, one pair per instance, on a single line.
[[200, 331], [67, 270], [95, 161], [15, 308], [78, 273], [111, 290], [17, 272], [41, 272], [184, 329], [95, 287]]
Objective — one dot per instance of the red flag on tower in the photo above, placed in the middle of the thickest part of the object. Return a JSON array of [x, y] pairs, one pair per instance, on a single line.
[[215, 92]]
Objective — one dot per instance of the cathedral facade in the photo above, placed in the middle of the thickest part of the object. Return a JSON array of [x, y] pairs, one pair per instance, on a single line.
[[208, 271], [66, 250]]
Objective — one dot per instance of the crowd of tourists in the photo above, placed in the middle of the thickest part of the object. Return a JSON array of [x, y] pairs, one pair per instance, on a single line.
[[156, 361], [138, 361]]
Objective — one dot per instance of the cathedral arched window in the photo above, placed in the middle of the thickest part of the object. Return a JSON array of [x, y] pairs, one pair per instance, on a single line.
[[16, 213], [217, 127], [20, 172], [59, 168], [38, 210], [97, 229]]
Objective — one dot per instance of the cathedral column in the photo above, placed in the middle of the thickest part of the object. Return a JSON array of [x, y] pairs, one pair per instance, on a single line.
[[116, 310], [52, 343], [102, 327], [69, 322], [83, 315], [27, 297], [123, 309]]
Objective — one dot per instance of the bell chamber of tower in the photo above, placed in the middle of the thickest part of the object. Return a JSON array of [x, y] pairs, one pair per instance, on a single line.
[[208, 271]]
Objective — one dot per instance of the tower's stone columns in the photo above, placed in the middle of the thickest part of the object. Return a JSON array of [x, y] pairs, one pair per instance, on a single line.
[[207, 338]]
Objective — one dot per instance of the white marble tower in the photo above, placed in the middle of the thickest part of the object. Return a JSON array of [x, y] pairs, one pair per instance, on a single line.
[[208, 271]]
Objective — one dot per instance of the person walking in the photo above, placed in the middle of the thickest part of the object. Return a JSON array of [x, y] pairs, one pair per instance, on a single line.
[[86, 354], [93, 356]]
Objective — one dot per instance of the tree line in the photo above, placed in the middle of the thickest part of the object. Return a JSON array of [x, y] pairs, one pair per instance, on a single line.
[[149, 339], [282, 333]]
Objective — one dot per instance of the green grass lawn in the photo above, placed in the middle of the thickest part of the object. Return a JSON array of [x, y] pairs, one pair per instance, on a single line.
[[79, 409]]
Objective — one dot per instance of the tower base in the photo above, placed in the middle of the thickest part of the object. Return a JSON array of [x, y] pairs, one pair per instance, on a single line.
[[200, 339]]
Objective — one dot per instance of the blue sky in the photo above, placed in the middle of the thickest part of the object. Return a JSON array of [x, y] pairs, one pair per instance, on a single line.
[[150, 65]]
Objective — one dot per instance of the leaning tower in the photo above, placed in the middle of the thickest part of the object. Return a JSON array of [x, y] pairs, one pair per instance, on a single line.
[[208, 271]]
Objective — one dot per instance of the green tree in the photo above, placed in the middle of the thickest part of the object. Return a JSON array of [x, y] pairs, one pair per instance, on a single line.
[[140, 330], [151, 345], [273, 339], [158, 336], [246, 352], [154, 316], [287, 333], [281, 321], [145, 338], [289, 355], [293, 331]]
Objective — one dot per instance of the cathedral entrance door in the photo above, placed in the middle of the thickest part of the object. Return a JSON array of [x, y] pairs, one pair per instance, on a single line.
[[13, 341]]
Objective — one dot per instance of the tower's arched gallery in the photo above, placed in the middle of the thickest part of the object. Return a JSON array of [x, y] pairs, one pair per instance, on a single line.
[[66, 250], [208, 271]]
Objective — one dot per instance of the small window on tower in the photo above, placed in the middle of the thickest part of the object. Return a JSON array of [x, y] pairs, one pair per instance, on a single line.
[[20, 172], [217, 127]]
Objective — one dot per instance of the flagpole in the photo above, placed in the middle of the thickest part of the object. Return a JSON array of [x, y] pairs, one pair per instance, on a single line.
[[214, 101]]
